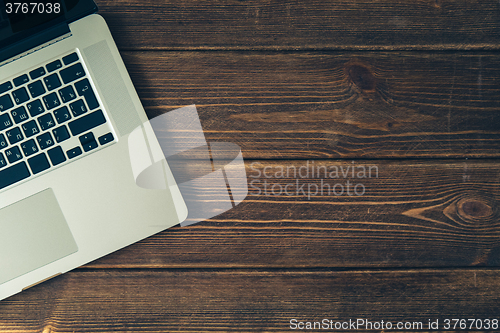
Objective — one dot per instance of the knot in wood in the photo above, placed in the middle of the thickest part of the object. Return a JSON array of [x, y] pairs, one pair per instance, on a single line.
[[361, 76], [475, 209]]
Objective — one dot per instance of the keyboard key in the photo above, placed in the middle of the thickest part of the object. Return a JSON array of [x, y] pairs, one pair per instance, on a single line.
[[67, 94], [78, 108], [38, 163], [35, 108], [30, 128], [35, 74], [5, 87], [19, 114], [72, 153], [72, 73], [83, 88], [54, 65], [89, 145], [51, 101], [20, 95], [5, 121], [20, 80], [13, 154], [29, 147], [70, 58], [13, 174], [45, 141], [106, 138], [3, 142], [14, 135], [62, 115], [52, 82], [36, 88], [87, 122], [88, 141], [61, 133], [5, 102], [46, 121], [56, 155], [91, 100], [3, 161], [86, 137]]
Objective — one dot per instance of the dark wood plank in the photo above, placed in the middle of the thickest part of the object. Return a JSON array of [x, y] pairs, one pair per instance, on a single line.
[[247, 301], [322, 105], [414, 214], [293, 25]]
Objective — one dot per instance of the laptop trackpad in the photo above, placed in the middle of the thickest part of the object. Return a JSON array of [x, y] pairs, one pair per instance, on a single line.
[[33, 233]]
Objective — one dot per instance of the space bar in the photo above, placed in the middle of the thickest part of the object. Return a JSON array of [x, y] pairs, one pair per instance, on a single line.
[[13, 174]]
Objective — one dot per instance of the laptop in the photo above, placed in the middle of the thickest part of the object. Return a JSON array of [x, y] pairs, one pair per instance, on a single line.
[[67, 108]]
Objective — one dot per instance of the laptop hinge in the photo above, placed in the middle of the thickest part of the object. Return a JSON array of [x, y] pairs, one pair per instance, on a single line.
[[34, 43]]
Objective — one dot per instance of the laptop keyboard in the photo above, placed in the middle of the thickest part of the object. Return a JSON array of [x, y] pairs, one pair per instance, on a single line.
[[48, 117]]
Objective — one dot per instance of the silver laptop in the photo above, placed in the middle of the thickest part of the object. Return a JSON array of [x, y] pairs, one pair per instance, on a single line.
[[67, 108]]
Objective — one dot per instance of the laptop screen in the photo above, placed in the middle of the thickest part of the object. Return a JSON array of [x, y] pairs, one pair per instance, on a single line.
[[20, 19]]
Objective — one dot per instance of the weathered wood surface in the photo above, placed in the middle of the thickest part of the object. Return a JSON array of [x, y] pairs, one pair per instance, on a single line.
[[325, 105], [247, 300], [409, 214], [327, 81], [296, 25]]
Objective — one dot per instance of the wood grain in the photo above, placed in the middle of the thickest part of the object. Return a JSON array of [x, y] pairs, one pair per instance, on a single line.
[[323, 105], [414, 214], [246, 301], [294, 25], [291, 82]]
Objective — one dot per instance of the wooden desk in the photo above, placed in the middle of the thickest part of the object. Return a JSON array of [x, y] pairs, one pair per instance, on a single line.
[[411, 89]]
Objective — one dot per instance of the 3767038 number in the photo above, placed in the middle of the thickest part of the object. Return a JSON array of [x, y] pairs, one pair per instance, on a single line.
[[471, 324], [32, 8]]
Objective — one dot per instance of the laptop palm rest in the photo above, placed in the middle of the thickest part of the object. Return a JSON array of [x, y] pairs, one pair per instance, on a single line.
[[33, 233]]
